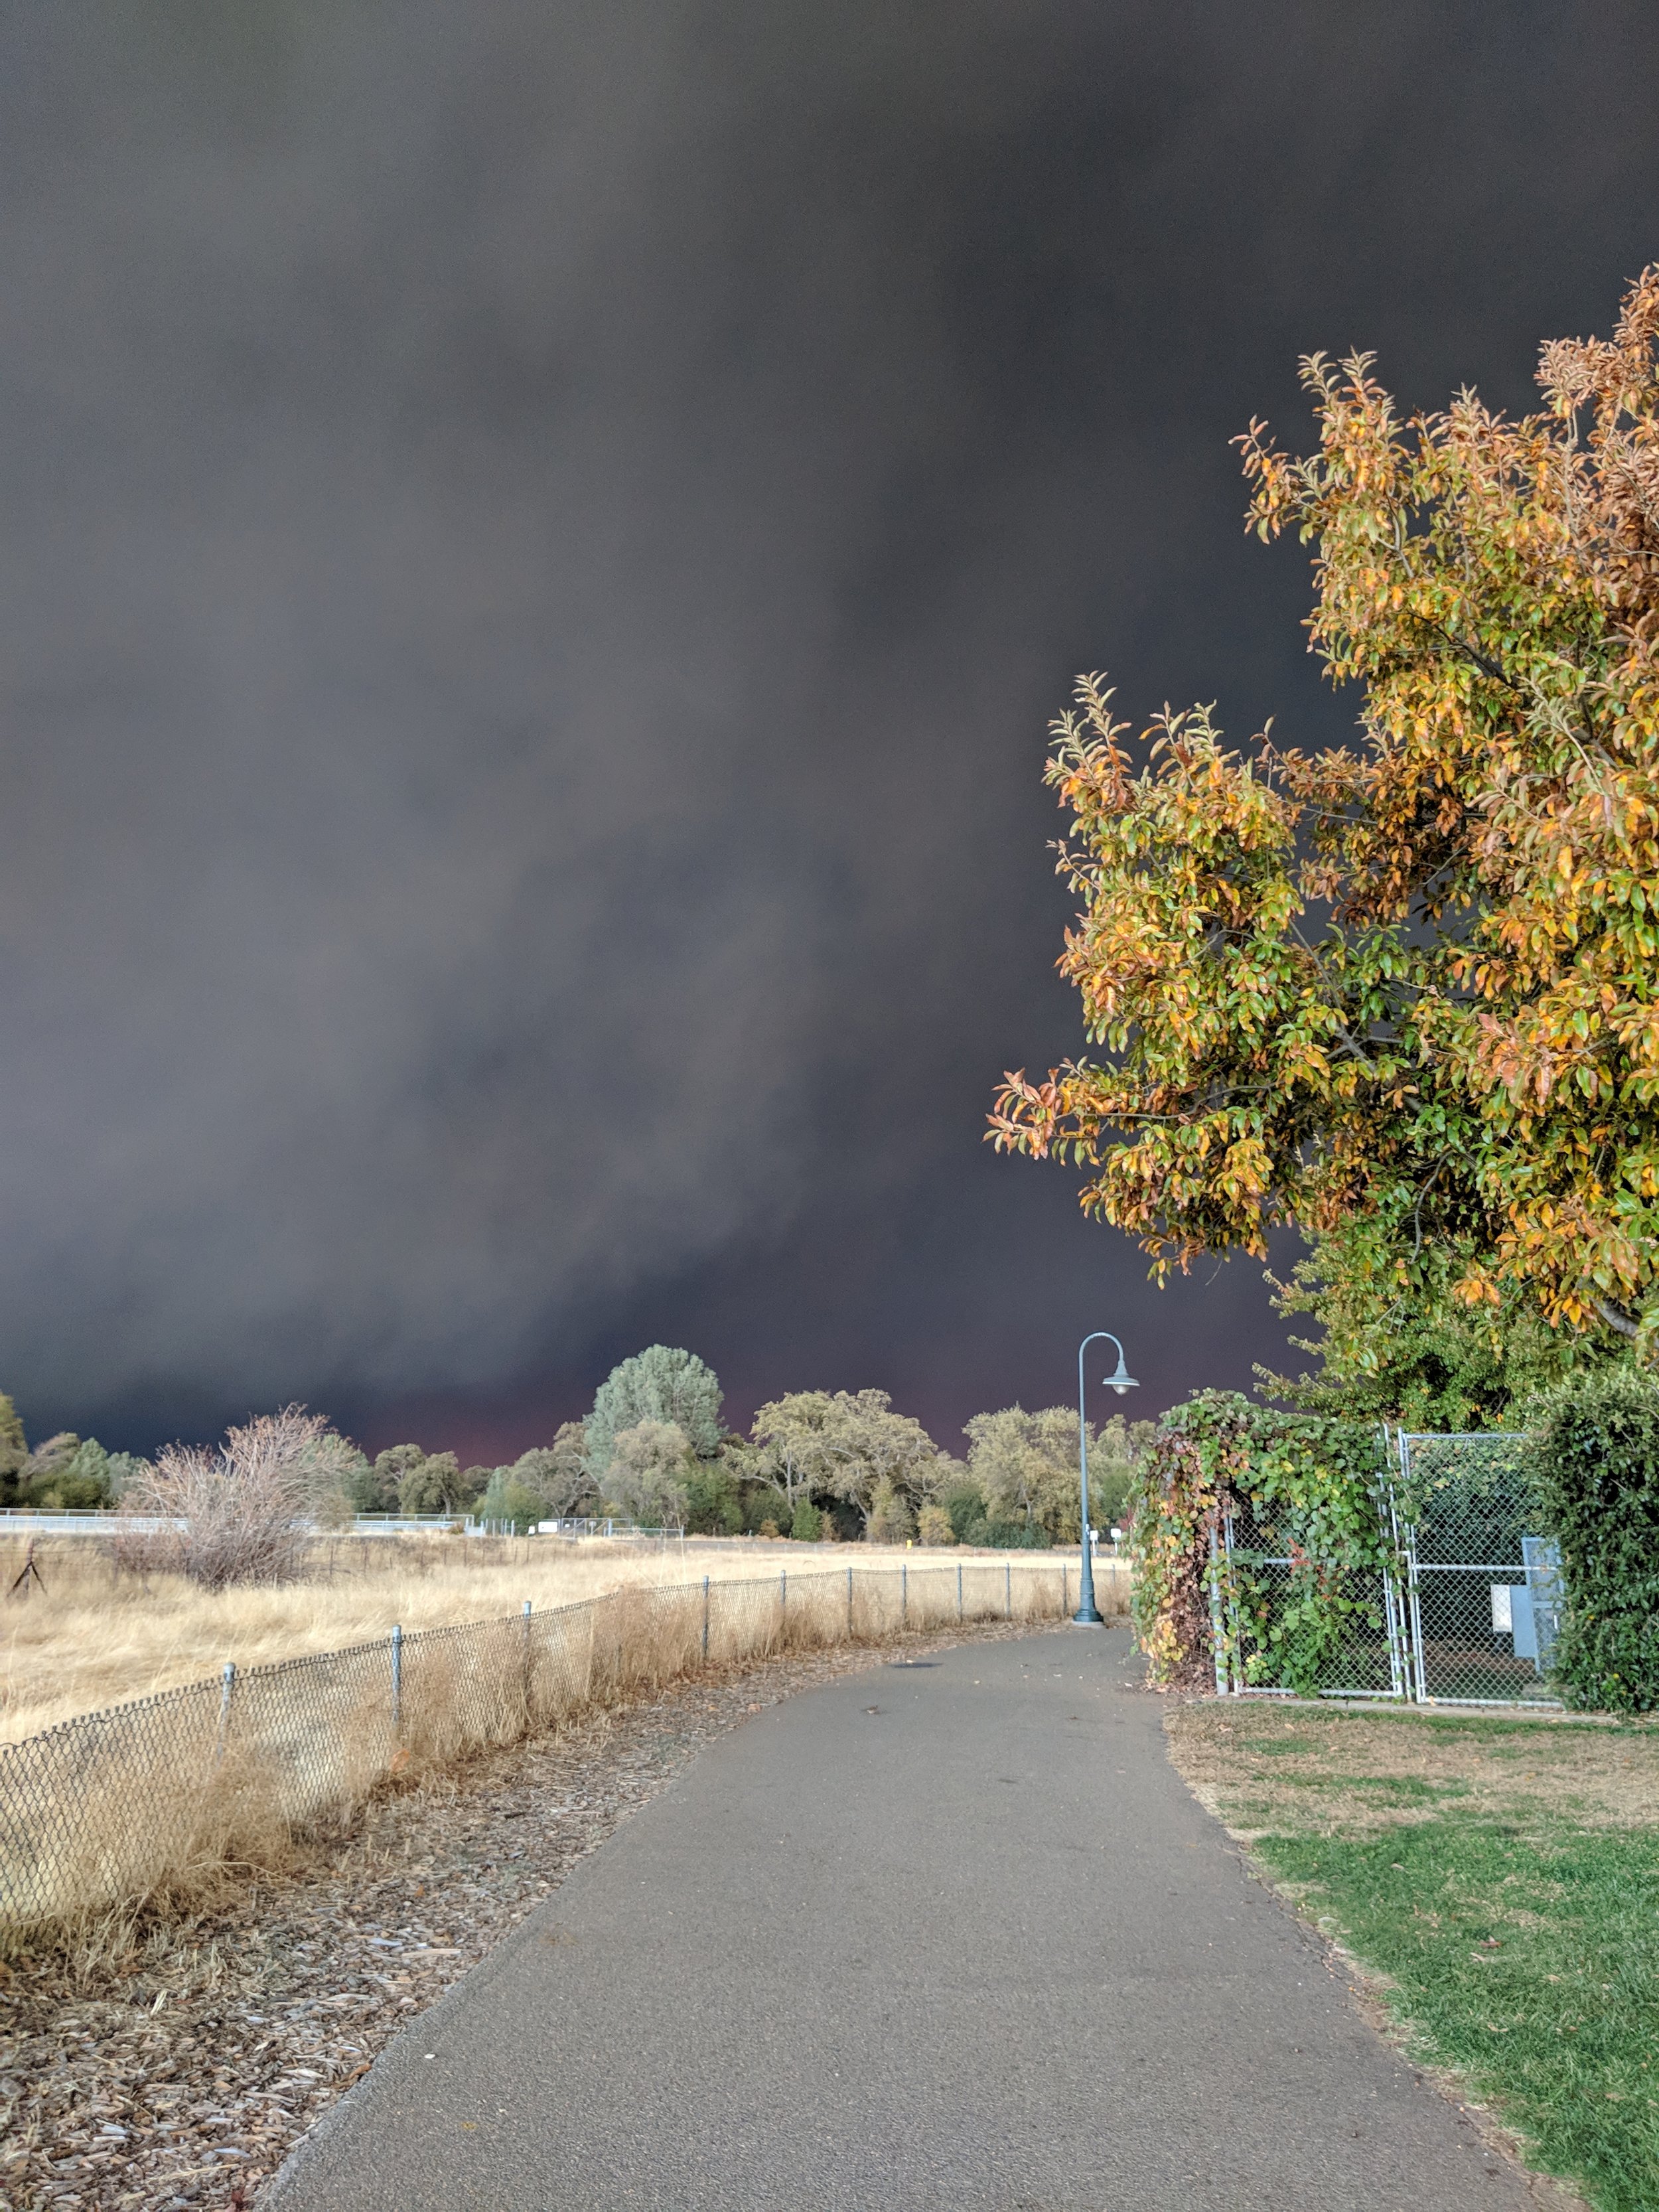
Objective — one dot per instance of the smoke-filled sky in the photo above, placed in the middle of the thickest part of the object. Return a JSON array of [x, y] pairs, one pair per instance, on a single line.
[[539, 544]]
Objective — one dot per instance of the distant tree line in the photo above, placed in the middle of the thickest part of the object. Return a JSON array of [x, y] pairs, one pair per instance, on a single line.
[[65, 1472], [815, 1466]]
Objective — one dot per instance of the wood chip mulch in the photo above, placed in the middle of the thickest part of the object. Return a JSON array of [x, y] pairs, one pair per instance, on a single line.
[[180, 2066]]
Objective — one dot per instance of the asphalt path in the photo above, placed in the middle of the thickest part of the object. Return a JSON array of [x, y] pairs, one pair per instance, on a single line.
[[945, 1935]]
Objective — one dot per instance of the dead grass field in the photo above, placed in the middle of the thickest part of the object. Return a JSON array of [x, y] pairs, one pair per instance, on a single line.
[[93, 1637], [1263, 1769]]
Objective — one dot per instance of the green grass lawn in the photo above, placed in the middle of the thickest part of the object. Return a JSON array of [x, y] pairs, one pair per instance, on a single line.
[[1503, 1877]]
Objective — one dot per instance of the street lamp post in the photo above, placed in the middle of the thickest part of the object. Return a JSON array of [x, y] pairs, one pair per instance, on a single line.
[[1088, 1614]]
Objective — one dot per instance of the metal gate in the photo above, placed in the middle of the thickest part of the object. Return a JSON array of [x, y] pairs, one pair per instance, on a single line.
[[1287, 1624], [1463, 1606], [1482, 1586]]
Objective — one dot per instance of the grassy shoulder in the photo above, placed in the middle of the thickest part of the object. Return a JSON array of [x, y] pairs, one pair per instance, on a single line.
[[1500, 1877]]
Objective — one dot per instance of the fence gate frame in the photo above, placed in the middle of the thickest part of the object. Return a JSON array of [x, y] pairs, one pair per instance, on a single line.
[[1533, 1576]]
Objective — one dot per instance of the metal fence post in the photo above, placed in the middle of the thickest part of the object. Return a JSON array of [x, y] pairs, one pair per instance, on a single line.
[[1065, 1586], [1417, 1675], [1393, 1599], [705, 1616], [904, 1594], [397, 1679], [849, 1604], [1218, 1629], [958, 1590], [527, 1657], [1008, 1588], [228, 1680]]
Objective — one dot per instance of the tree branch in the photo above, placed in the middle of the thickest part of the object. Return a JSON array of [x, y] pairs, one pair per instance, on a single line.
[[1417, 1212], [1486, 668], [1358, 1049], [1615, 1317]]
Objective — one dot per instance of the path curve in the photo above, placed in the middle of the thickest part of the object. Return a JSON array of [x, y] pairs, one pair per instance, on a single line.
[[944, 1937]]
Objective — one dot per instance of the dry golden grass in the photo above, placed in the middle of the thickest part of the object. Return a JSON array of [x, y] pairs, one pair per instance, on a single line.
[[94, 1638]]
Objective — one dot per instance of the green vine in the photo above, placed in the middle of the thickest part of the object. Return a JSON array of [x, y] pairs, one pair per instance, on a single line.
[[1299, 1487]]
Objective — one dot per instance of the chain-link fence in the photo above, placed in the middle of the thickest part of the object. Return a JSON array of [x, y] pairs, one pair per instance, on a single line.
[[1462, 1605], [120, 1805], [1483, 1585]]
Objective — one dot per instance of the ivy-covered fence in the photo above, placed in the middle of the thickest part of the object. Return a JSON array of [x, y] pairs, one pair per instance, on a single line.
[[1305, 1556], [1264, 1553]]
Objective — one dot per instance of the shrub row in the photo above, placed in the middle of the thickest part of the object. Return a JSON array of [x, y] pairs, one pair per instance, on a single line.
[[1595, 1464]]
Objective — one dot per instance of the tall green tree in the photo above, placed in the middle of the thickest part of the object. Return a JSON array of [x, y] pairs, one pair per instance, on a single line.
[[381, 1489], [559, 1472], [816, 1446], [881, 1458], [68, 1472], [435, 1484], [1025, 1466], [797, 1440], [1420, 1357], [1402, 996], [659, 1384]]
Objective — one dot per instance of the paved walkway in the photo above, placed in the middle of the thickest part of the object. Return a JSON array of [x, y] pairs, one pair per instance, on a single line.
[[944, 1935]]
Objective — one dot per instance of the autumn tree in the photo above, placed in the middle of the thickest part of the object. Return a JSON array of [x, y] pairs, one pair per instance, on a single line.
[[1402, 996]]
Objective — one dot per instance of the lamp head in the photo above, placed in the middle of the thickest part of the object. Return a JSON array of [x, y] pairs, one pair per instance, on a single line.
[[1121, 1380]]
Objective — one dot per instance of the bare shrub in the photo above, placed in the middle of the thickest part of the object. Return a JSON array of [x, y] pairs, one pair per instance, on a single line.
[[243, 1512]]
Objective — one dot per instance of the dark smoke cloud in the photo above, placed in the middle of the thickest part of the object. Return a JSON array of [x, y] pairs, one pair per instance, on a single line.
[[536, 546]]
